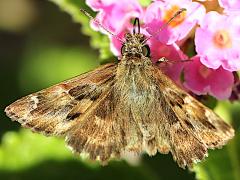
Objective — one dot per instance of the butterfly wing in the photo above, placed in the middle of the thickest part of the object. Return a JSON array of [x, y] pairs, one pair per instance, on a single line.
[[97, 133], [193, 127], [107, 130], [53, 111], [85, 111]]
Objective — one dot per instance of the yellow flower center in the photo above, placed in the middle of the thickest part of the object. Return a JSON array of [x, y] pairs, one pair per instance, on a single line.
[[204, 71], [178, 19], [222, 39]]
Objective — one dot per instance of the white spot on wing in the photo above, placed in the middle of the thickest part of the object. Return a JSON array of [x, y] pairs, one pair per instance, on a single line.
[[187, 100], [35, 100]]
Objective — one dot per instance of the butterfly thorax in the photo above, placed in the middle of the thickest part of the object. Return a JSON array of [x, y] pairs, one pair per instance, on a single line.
[[132, 72], [136, 92], [134, 82]]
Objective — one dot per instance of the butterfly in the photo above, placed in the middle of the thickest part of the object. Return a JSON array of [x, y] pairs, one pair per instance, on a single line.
[[129, 106]]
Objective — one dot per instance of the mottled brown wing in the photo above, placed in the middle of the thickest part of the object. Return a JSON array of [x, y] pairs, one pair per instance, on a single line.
[[94, 133], [107, 131], [193, 127], [53, 111]]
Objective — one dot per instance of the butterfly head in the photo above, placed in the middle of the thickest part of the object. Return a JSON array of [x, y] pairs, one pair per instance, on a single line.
[[134, 45]]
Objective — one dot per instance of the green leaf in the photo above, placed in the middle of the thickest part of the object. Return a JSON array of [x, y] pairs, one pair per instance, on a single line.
[[22, 150], [145, 3], [45, 65], [98, 40], [223, 163], [27, 155]]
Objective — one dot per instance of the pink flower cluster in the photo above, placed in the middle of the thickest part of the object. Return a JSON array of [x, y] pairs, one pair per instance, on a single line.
[[216, 45]]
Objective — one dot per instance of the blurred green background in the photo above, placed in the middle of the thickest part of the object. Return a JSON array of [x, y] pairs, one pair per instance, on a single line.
[[43, 43]]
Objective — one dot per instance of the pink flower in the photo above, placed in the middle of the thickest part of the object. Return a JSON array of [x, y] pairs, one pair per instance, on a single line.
[[209, 72], [217, 41], [115, 15], [97, 5], [202, 80], [230, 5], [159, 12], [173, 54]]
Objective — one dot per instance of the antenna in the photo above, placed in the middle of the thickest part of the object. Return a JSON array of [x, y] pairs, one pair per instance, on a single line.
[[99, 24], [166, 24], [136, 23]]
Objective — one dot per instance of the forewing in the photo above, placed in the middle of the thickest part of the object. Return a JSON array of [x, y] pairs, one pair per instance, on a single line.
[[193, 127], [106, 131], [53, 111], [93, 132]]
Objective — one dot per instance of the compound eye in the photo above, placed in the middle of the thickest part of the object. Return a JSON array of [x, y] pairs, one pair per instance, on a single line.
[[123, 49], [146, 50]]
